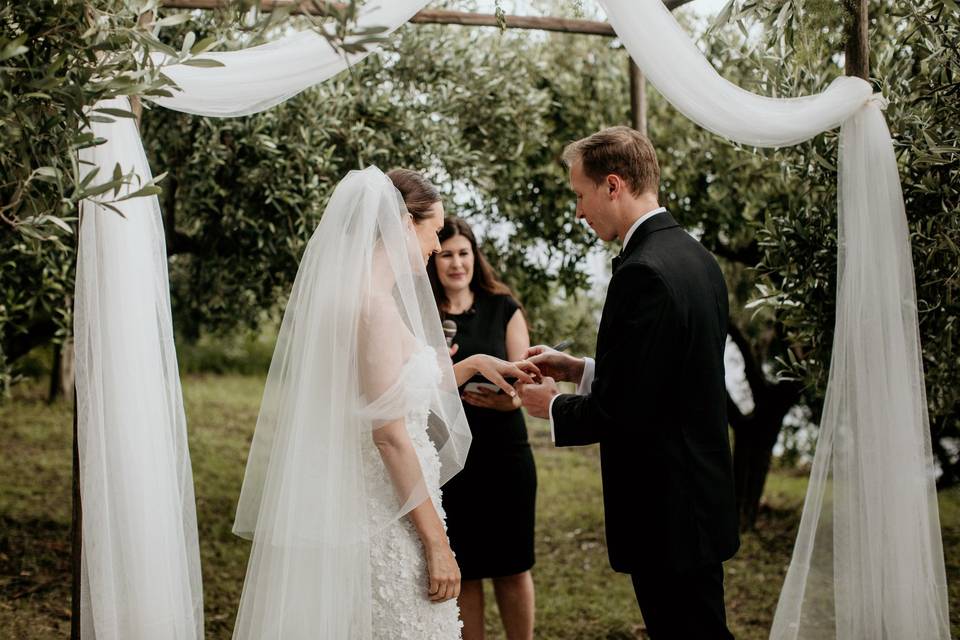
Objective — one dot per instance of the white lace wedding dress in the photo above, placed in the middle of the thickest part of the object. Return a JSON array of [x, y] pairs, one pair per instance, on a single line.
[[398, 568]]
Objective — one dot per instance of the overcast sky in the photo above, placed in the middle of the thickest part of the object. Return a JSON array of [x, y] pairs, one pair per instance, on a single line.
[[707, 7]]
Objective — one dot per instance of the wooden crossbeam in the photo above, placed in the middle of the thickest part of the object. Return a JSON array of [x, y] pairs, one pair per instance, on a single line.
[[561, 25], [465, 18]]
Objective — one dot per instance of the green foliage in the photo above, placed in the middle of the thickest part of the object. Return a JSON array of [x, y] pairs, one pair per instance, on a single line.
[[566, 316], [58, 58], [485, 114], [925, 108], [789, 200], [244, 353]]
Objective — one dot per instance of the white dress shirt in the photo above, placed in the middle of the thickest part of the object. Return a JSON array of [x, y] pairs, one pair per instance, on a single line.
[[640, 221], [589, 364]]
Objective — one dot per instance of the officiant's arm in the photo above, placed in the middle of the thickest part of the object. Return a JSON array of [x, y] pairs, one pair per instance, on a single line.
[[631, 368]]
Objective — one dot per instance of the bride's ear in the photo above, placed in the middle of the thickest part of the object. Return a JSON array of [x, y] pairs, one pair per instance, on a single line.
[[410, 221]]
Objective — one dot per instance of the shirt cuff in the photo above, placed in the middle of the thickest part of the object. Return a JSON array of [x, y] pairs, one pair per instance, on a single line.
[[586, 380], [553, 435]]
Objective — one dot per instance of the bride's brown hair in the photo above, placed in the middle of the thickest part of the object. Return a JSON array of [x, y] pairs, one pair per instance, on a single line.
[[418, 193]]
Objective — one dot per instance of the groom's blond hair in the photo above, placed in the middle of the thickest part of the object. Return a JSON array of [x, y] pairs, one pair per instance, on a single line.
[[619, 150]]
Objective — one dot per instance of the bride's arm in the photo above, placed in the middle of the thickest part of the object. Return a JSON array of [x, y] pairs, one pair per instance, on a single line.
[[382, 357], [398, 455]]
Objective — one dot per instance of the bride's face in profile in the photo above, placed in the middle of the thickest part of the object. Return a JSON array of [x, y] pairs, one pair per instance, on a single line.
[[427, 230]]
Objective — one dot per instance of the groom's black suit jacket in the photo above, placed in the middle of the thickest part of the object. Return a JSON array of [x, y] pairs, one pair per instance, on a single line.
[[658, 406]]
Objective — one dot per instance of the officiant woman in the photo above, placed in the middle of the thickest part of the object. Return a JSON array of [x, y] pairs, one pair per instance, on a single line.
[[490, 503]]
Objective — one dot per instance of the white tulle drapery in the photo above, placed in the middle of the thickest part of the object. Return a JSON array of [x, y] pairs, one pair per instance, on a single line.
[[868, 560], [141, 560], [260, 77]]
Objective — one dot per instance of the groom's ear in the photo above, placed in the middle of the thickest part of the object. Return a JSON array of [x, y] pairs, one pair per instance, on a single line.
[[615, 185]]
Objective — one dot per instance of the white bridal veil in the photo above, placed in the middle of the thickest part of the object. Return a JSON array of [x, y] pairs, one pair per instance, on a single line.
[[361, 308]]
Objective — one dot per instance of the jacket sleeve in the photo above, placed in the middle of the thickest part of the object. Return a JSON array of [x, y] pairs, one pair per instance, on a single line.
[[630, 373]]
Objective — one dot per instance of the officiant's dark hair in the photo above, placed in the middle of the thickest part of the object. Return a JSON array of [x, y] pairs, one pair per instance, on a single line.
[[619, 150], [485, 278], [418, 193]]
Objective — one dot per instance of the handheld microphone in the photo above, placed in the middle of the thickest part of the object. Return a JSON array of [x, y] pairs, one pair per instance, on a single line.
[[449, 331]]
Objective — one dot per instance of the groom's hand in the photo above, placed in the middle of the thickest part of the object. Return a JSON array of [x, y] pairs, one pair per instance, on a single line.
[[536, 397], [555, 364]]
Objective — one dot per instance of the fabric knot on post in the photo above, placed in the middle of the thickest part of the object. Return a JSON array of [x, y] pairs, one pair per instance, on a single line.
[[879, 100]]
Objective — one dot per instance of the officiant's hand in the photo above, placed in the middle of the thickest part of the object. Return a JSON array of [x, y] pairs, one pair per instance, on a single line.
[[489, 399], [536, 397], [556, 364]]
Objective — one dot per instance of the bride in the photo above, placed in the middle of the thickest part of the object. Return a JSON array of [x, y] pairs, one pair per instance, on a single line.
[[361, 423]]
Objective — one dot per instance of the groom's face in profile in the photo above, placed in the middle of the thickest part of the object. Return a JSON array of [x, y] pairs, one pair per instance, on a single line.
[[594, 203]]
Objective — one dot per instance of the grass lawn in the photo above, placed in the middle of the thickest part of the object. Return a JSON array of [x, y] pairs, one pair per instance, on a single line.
[[578, 596]]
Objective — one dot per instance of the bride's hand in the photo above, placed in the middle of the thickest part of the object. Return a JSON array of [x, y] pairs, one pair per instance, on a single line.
[[496, 371], [444, 573]]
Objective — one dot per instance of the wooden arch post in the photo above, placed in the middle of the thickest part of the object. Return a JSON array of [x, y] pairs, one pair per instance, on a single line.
[[857, 54]]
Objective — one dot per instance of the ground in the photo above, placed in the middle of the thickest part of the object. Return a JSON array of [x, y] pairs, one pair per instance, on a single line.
[[577, 594]]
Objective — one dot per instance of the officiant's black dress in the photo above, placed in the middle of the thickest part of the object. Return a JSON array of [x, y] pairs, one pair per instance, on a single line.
[[490, 503]]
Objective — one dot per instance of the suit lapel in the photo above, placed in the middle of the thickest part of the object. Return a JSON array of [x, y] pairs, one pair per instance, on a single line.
[[657, 223]]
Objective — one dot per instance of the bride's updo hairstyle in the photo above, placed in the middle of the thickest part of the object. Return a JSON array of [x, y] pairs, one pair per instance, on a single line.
[[418, 193]]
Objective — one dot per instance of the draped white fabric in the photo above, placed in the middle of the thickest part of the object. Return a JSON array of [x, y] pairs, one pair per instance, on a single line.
[[868, 560], [260, 77], [141, 561]]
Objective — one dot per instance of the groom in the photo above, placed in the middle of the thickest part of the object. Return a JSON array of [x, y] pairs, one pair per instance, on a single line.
[[654, 398]]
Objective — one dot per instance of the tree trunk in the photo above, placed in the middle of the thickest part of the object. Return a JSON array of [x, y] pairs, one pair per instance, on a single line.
[[56, 389], [754, 439], [751, 464], [755, 435], [17, 345], [638, 98], [61, 371]]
